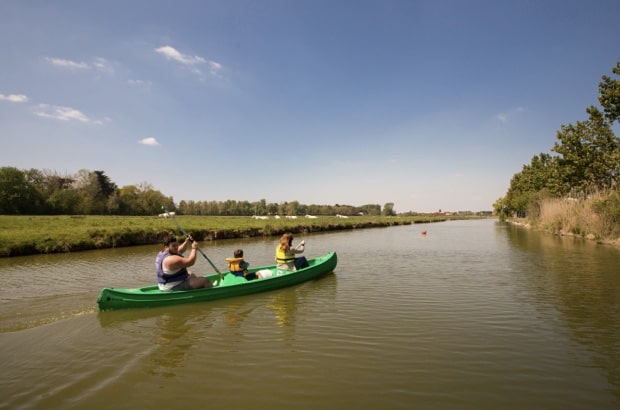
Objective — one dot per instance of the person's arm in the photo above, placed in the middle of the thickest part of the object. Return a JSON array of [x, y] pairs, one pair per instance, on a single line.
[[176, 262], [301, 247], [183, 246]]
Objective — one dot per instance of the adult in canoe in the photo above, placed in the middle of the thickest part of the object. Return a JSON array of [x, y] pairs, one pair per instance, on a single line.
[[171, 266], [285, 252]]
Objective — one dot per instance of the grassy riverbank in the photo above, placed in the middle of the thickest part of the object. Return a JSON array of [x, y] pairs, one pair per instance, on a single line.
[[594, 218], [27, 235]]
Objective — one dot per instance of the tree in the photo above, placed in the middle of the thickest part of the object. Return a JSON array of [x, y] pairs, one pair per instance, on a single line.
[[94, 189], [609, 95], [142, 199], [388, 209], [588, 154], [588, 158], [292, 208], [18, 195]]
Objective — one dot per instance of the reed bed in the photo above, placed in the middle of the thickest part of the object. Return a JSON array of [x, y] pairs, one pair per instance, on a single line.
[[581, 217]]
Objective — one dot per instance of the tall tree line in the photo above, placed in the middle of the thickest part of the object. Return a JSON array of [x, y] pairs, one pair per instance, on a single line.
[[36, 192], [585, 159]]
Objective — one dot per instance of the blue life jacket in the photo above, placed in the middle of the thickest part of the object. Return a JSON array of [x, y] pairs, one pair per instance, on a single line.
[[162, 277]]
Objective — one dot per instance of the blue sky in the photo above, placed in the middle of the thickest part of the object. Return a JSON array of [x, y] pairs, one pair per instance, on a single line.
[[427, 104]]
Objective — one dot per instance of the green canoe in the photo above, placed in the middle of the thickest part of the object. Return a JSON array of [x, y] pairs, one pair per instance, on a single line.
[[151, 296]]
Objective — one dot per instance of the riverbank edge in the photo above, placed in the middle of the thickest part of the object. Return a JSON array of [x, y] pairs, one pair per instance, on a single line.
[[526, 224], [100, 239]]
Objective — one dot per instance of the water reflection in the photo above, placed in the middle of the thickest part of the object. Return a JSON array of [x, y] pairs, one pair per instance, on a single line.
[[574, 278], [476, 314], [281, 305], [172, 345], [284, 307], [172, 332]]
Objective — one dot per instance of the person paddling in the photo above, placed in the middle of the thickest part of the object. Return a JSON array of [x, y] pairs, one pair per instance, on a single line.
[[285, 252], [171, 266]]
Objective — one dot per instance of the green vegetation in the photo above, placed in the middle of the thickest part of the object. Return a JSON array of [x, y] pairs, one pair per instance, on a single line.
[[596, 217], [25, 235], [581, 178], [36, 192]]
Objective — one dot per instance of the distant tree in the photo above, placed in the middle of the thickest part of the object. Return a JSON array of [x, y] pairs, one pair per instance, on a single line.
[[292, 208], [370, 209], [18, 194], [260, 207], [388, 209], [272, 208]]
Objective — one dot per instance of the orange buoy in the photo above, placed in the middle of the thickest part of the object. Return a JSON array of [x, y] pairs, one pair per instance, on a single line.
[[424, 232]]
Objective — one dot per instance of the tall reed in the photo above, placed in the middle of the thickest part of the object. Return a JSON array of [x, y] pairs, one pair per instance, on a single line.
[[595, 217]]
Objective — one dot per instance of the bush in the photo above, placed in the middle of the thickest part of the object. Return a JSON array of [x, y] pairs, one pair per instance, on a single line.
[[608, 209]]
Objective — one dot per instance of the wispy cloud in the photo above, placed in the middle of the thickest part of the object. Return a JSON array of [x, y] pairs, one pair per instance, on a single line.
[[16, 98], [191, 62], [214, 68], [60, 113], [149, 141], [98, 64], [139, 83], [505, 116], [72, 65]]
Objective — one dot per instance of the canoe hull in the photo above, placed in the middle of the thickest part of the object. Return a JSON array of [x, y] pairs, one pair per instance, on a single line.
[[151, 296]]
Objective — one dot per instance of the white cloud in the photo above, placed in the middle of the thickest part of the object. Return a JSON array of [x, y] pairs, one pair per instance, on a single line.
[[98, 63], [149, 141], [214, 67], [63, 114], [139, 83], [192, 62], [102, 65], [17, 98], [172, 54], [59, 62], [505, 116]]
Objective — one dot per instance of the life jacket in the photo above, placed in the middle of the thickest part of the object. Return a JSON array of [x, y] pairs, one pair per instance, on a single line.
[[162, 277], [237, 266], [282, 257]]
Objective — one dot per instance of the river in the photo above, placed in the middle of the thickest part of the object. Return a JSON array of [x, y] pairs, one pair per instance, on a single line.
[[474, 314]]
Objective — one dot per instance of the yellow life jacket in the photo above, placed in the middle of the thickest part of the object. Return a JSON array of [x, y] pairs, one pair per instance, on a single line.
[[281, 256], [234, 264]]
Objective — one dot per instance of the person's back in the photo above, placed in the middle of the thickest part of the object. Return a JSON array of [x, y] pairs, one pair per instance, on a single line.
[[239, 267], [285, 252]]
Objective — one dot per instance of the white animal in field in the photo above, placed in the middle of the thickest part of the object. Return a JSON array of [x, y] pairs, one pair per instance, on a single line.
[[311, 216], [291, 216], [341, 216], [166, 215], [260, 217]]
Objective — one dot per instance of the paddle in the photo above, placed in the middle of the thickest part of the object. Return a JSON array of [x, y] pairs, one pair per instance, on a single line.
[[192, 239]]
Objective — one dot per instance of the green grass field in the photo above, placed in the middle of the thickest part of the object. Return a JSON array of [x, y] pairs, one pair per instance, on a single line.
[[26, 235]]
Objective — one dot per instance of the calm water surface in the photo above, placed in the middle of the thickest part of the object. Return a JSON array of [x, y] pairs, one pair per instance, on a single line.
[[476, 314]]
